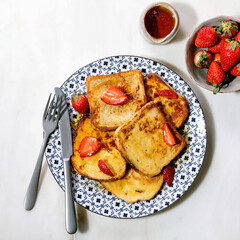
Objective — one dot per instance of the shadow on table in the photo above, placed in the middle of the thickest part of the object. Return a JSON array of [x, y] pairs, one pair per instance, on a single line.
[[188, 20], [82, 220], [210, 135], [42, 175]]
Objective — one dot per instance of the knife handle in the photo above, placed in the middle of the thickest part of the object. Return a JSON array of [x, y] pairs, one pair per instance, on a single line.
[[71, 223]]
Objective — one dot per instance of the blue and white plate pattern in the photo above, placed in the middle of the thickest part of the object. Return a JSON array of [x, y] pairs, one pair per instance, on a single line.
[[89, 193]]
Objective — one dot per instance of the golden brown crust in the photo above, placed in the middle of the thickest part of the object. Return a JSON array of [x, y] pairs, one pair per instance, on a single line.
[[175, 110], [141, 142], [138, 138], [135, 187], [125, 129], [88, 166], [108, 117]]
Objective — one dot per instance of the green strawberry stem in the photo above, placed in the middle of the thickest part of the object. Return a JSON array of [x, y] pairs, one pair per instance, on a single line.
[[203, 60], [223, 84], [226, 27]]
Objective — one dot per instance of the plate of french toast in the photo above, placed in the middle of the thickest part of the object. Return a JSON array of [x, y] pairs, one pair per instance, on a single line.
[[140, 145]]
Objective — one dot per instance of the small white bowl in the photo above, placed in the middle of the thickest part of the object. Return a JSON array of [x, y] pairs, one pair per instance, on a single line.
[[171, 35], [199, 75]]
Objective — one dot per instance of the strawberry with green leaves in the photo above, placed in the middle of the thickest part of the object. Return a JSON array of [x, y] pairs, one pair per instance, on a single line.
[[202, 59], [228, 28], [230, 54], [80, 103], [215, 74], [236, 70], [216, 77], [206, 37]]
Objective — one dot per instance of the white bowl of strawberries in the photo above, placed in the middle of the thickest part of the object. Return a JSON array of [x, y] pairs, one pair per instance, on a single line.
[[213, 55]]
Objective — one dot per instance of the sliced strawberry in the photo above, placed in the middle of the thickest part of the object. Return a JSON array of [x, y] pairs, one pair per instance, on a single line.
[[167, 93], [168, 135], [168, 174], [114, 96], [202, 59], [104, 168], [236, 70], [80, 103], [88, 146], [206, 37]]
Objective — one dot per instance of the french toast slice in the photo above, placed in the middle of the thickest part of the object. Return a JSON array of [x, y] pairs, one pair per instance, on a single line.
[[142, 144], [175, 110], [88, 166], [109, 117], [135, 186]]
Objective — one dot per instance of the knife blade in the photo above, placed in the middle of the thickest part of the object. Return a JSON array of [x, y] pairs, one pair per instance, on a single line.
[[67, 151]]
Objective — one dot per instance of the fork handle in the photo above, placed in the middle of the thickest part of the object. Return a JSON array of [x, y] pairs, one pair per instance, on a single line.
[[30, 197], [71, 223]]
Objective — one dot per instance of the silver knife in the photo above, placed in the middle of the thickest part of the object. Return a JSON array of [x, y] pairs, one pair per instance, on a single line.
[[67, 151]]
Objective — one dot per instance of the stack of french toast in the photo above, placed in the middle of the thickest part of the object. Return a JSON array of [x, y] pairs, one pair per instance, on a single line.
[[132, 137]]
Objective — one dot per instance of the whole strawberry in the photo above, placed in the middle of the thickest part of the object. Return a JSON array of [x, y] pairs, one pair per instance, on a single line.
[[230, 54], [228, 28], [236, 70], [217, 48], [206, 37], [80, 103], [202, 59], [215, 74], [168, 174]]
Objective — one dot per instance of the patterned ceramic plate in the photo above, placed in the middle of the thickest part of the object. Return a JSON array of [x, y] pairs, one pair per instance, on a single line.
[[90, 194]]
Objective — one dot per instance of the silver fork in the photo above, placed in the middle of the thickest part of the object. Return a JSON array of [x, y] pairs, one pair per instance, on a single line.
[[50, 122]]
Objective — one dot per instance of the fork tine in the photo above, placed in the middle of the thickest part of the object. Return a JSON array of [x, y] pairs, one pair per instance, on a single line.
[[46, 108], [59, 109], [55, 108], [50, 108]]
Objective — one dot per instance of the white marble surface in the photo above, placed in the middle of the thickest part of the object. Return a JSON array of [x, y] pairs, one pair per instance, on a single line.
[[42, 43]]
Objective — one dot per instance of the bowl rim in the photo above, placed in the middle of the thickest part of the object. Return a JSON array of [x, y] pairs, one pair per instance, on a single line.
[[174, 30], [191, 39]]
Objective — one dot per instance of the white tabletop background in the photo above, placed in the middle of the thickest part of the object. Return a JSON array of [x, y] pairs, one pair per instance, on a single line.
[[41, 44]]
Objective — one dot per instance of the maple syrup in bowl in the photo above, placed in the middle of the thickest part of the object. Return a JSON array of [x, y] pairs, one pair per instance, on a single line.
[[160, 23]]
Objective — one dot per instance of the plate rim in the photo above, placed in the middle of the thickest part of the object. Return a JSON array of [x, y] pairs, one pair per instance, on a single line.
[[189, 44], [202, 159]]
